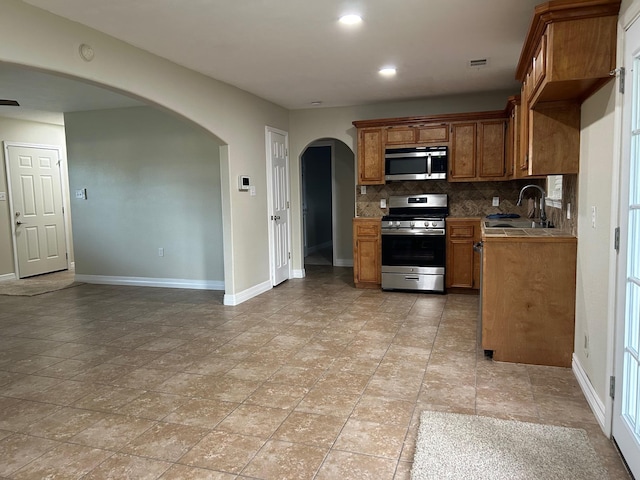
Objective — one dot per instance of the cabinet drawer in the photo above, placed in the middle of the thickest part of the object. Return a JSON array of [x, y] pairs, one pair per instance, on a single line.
[[368, 230], [461, 231], [430, 134], [400, 135]]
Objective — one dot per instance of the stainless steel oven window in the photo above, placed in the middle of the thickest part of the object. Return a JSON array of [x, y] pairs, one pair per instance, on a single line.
[[413, 250]]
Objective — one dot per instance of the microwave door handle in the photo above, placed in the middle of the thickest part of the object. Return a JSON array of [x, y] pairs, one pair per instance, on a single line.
[[429, 165]]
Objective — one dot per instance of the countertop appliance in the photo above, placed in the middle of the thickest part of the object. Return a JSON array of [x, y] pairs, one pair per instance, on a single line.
[[413, 243], [416, 163]]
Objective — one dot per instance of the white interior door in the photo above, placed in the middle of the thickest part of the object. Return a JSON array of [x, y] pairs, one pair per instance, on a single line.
[[626, 408], [279, 200], [35, 193]]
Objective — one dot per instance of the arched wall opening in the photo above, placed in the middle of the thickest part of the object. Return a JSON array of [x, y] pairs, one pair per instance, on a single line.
[[233, 115], [152, 213], [327, 180]]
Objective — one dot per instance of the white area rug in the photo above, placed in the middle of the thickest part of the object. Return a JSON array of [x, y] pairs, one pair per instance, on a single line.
[[469, 447]]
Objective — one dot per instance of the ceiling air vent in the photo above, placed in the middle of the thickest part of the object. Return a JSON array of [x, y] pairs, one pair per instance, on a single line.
[[478, 63], [9, 103]]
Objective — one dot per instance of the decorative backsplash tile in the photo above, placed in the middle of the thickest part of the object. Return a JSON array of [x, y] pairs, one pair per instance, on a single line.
[[472, 199], [466, 199]]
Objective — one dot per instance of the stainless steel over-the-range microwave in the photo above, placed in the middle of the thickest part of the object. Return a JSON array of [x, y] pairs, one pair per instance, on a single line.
[[416, 163]]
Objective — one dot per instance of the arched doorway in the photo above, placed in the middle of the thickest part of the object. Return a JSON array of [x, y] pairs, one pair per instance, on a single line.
[[327, 170]]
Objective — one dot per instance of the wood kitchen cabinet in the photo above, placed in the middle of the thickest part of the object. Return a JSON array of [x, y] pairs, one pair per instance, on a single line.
[[367, 252], [549, 139], [370, 156], [463, 262], [569, 50], [512, 151], [528, 299], [478, 151], [553, 139], [476, 143], [568, 54], [411, 135]]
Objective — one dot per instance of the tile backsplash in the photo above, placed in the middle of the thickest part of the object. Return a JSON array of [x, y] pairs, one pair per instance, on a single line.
[[470, 199]]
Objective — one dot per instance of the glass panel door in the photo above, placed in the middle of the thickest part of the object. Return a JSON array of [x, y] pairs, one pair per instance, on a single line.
[[626, 414]]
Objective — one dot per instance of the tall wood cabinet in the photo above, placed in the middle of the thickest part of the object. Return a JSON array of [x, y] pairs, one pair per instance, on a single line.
[[367, 252], [463, 262]]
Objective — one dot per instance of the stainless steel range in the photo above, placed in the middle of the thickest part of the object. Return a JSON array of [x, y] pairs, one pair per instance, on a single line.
[[413, 243]]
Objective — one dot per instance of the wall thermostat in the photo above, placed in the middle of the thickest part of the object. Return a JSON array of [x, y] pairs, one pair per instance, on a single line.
[[244, 182]]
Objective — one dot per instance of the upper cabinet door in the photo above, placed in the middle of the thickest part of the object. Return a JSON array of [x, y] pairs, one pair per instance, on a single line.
[[400, 135], [462, 157], [491, 150], [370, 156]]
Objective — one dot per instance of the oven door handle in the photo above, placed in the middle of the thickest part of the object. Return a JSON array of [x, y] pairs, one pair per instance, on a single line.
[[429, 165], [438, 232]]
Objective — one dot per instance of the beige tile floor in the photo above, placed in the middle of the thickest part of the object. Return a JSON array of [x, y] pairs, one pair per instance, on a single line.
[[312, 380]]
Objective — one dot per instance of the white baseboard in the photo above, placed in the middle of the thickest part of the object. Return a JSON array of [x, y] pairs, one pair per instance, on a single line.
[[298, 273], [247, 294], [597, 407], [343, 262], [8, 276], [152, 282]]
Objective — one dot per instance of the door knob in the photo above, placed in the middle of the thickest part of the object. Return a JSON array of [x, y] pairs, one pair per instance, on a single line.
[[20, 223]]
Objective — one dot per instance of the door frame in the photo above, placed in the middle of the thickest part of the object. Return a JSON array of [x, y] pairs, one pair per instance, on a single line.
[[619, 206], [268, 130], [64, 187], [332, 147]]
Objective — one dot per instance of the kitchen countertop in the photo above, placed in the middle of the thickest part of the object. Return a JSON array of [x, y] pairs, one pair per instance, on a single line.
[[531, 233]]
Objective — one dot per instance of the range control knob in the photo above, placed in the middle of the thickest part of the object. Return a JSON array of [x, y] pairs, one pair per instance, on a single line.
[[398, 224], [412, 224], [433, 224]]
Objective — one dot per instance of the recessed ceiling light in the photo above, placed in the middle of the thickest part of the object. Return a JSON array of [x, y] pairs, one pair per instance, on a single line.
[[351, 19], [387, 71]]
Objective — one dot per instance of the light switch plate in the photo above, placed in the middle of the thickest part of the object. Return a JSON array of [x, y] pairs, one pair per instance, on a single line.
[[496, 201], [363, 189], [81, 193], [383, 203]]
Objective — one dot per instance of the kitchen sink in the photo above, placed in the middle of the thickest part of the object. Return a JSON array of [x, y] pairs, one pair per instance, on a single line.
[[513, 224]]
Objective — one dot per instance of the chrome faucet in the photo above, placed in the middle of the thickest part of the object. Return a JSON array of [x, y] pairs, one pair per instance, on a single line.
[[543, 213]]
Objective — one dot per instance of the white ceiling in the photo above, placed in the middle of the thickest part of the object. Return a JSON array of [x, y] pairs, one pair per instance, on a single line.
[[294, 52]]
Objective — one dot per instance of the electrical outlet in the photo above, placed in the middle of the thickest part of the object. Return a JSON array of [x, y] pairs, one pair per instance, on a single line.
[[496, 201], [593, 217], [161, 252], [363, 189], [383, 203], [568, 211]]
